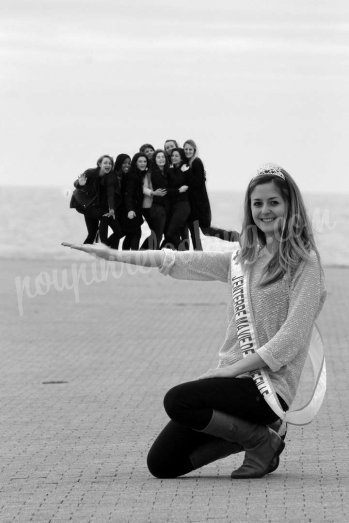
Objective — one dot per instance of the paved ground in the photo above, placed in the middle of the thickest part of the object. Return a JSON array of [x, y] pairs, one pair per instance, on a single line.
[[81, 400]]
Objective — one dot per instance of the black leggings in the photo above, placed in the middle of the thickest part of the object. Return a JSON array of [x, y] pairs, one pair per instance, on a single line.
[[190, 406]]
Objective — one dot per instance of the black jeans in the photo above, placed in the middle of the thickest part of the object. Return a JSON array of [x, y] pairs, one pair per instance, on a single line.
[[156, 220], [176, 224], [190, 406], [114, 238], [131, 241], [194, 229], [92, 225]]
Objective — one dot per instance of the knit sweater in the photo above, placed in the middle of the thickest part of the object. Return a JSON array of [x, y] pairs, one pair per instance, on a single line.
[[284, 312]]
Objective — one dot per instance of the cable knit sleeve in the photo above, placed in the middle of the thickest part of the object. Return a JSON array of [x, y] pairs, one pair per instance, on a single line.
[[307, 295], [196, 265]]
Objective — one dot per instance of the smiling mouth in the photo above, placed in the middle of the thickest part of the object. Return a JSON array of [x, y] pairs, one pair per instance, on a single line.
[[267, 220]]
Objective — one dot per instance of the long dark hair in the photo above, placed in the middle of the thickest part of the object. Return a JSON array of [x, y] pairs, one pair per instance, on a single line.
[[120, 160], [154, 166], [295, 236], [133, 167]]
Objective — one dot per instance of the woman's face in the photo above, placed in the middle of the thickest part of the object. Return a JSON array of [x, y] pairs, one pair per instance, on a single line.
[[268, 208], [188, 151], [160, 160], [142, 163], [176, 158], [125, 167], [105, 166], [149, 151], [169, 146]]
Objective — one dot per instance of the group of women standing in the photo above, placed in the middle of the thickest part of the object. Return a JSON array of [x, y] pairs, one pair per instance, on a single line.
[[165, 187]]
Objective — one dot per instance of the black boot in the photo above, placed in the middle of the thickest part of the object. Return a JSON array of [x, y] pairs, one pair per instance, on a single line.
[[220, 448], [213, 450], [261, 443], [262, 457]]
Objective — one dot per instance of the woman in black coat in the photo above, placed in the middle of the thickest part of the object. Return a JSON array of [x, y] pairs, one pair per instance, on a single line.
[[121, 168], [131, 218], [94, 197], [158, 211], [179, 201], [200, 215]]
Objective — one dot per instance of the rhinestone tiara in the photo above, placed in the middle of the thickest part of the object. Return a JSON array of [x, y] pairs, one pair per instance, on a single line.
[[270, 168]]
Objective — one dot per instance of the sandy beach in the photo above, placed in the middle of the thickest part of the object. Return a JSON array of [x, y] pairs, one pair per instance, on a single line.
[[83, 374]]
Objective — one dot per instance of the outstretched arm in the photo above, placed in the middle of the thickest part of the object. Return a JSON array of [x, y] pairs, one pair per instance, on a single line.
[[182, 265], [144, 258]]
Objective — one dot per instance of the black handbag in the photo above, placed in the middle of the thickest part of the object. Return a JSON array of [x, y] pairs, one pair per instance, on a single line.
[[83, 198], [86, 204]]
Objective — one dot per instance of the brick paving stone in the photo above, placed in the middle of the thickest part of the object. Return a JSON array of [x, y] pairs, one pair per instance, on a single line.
[[81, 402]]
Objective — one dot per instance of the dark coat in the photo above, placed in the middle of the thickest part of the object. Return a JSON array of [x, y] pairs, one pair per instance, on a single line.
[[112, 190], [198, 197]]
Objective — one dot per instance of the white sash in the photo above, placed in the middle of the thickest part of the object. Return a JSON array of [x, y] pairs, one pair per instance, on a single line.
[[248, 345]]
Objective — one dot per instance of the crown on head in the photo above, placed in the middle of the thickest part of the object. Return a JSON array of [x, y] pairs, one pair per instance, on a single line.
[[270, 168]]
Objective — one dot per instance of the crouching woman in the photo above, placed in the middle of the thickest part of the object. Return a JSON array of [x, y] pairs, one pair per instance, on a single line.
[[277, 293]]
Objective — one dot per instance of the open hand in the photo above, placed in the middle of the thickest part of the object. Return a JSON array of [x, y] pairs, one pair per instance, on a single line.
[[159, 192], [94, 249], [82, 179]]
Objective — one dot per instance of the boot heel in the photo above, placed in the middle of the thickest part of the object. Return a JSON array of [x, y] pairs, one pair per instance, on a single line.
[[276, 460]]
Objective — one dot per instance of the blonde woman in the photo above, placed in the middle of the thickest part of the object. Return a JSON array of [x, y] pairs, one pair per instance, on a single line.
[[277, 277]]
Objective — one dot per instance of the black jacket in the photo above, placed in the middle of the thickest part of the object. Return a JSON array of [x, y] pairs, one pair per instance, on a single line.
[[177, 178], [101, 186], [112, 189], [198, 197], [133, 199], [159, 180]]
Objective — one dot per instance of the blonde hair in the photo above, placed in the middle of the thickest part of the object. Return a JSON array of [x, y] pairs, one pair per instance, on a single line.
[[296, 238], [194, 146]]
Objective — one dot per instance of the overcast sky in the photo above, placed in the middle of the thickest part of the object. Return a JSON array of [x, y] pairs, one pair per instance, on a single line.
[[250, 81]]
